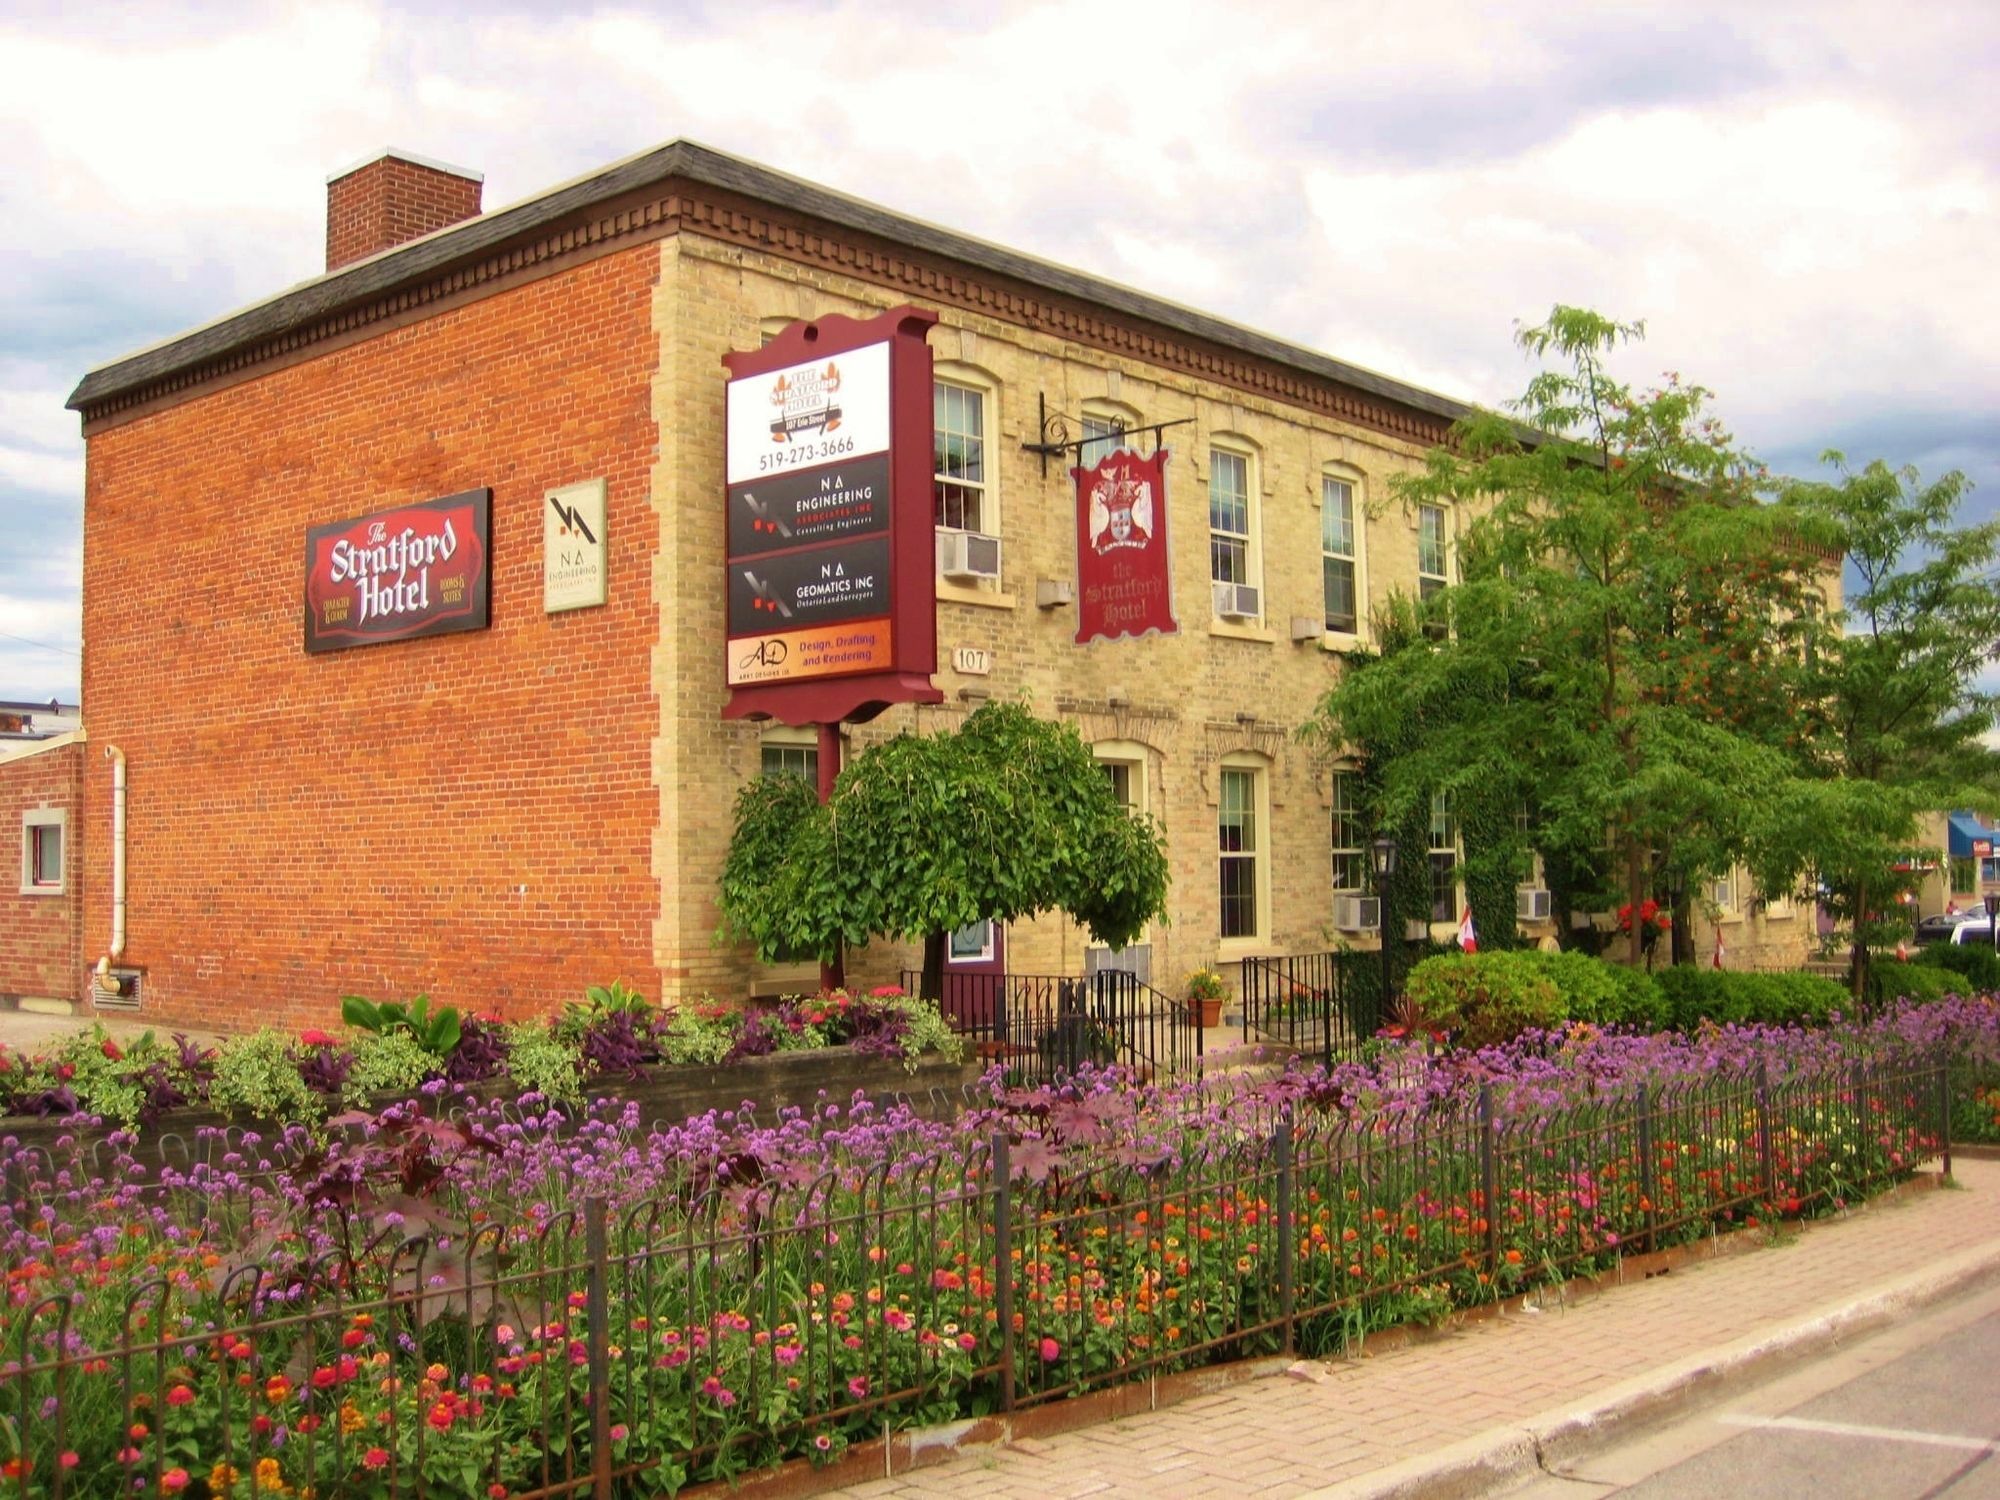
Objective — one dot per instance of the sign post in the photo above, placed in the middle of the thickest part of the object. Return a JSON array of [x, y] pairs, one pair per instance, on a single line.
[[831, 584]]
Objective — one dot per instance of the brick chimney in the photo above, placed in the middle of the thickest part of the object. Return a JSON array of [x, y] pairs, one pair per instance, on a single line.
[[391, 197]]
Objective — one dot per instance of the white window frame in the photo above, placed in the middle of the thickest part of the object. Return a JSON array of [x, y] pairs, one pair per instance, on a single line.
[[1441, 579], [983, 955], [1135, 759], [1112, 420], [787, 741], [1223, 446], [975, 382], [34, 819], [1346, 778], [1356, 558], [1443, 816], [1722, 890], [1258, 769]]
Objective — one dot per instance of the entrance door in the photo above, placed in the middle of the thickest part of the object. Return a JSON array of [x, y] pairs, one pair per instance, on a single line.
[[975, 968]]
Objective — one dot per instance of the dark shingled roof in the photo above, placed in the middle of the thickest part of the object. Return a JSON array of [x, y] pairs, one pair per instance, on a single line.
[[685, 160]]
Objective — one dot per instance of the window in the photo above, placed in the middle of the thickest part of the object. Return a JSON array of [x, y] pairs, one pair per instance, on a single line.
[[1528, 869], [962, 500], [1350, 861], [1433, 560], [1229, 558], [1723, 893], [1103, 435], [1443, 859], [1989, 870], [1337, 553], [1964, 877], [42, 834], [1239, 830], [790, 758], [971, 945]]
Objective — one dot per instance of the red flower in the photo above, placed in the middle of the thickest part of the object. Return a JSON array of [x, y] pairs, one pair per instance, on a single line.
[[110, 1049], [317, 1039]]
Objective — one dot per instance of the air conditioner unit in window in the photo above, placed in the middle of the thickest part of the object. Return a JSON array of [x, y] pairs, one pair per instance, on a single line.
[[1237, 601], [1136, 960], [1531, 904], [968, 556], [1357, 913]]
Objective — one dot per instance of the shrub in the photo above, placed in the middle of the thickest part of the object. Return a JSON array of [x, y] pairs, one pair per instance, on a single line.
[[541, 1062], [1608, 994], [1730, 997], [259, 1075], [1482, 998], [386, 1062], [1890, 979], [1979, 964]]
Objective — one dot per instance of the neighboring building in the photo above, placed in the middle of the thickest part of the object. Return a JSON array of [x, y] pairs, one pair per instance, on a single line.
[[40, 905], [1963, 870], [501, 816], [28, 722]]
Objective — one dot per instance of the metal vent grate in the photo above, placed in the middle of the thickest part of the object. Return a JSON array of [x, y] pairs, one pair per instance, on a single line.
[[130, 982]]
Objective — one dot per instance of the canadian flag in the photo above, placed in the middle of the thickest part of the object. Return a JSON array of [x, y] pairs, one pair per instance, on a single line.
[[1720, 951], [1467, 938]]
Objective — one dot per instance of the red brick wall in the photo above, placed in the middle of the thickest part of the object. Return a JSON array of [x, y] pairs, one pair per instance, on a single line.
[[39, 953], [467, 815], [389, 201]]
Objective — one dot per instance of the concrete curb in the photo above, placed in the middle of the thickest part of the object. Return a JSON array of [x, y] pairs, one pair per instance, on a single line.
[[1502, 1457]]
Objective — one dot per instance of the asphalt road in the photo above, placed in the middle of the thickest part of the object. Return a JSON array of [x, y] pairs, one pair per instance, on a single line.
[[1912, 1413]]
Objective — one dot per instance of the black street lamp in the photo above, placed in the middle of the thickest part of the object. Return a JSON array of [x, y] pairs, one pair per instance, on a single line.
[[1383, 856], [1993, 921]]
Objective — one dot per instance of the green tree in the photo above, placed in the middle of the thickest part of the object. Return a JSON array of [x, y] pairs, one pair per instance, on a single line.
[[1007, 817], [1625, 636], [1893, 718]]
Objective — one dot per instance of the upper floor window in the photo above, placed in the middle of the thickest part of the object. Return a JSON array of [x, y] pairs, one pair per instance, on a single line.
[[1231, 558], [1350, 860], [1433, 558], [1103, 435], [960, 486], [1339, 551], [1239, 823]]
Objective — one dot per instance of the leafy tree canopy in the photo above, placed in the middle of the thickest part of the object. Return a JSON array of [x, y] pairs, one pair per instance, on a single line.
[[1006, 817]]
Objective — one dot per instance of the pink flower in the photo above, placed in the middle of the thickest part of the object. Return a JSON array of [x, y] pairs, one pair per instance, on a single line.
[[1051, 1351], [858, 1387], [174, 1481], [317, 1039]]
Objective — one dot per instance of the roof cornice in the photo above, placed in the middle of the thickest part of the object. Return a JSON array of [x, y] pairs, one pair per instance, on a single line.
[[638, 196]]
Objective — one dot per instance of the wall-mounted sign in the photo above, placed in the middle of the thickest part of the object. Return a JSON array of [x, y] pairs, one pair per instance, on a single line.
[[575, 555], [971, 661], [417, 570], [1124, 583], [1982, 848], [832, 599]]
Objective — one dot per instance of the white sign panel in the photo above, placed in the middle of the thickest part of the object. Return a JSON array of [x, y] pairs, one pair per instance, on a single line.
[[575, 571], [825, 411]]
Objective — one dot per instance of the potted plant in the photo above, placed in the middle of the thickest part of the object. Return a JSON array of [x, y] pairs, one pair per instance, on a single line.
[[1205, 992]]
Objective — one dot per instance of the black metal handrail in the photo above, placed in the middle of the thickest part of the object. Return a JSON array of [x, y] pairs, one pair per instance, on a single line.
[[1042, 1026], [1317, 1005]]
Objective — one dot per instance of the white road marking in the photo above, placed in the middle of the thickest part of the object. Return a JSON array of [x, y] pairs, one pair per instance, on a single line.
[[1852, 1429]]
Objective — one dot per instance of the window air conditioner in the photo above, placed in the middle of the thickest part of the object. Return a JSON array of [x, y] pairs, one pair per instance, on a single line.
[[1136, 960], [968, 556], [1237, 601], [1357, 913], [1531, 904]]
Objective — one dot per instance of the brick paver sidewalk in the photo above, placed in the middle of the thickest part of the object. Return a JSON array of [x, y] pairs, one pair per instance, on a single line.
[[1287, 1436]]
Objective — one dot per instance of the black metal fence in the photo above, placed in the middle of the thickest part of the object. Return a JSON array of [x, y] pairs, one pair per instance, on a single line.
[[1321, 1006], [731, 1325], [1041, 1026]]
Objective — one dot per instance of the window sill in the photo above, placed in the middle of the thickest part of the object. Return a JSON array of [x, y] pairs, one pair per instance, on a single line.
[[1229, 631], [1342, 640], [41, 890], [1235, 950], [960, 593]]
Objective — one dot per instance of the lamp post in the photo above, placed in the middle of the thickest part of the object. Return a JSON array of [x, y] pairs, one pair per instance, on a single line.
[[1993, 922], [1382, 859]]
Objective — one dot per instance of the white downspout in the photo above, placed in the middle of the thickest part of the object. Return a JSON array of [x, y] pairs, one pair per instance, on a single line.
[[104, 980]]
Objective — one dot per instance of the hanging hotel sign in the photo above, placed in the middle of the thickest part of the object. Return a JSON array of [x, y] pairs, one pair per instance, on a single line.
[[831, 596], [575, 556], [414, 571], [1124, 587]]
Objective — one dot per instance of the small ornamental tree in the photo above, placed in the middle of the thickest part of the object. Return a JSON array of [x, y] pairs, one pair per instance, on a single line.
[[1004, 818]]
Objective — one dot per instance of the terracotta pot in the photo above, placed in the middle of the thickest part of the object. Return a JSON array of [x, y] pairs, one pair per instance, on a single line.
[[1207, 1012]]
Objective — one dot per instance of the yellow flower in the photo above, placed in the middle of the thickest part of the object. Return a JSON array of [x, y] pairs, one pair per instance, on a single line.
[[268, 1477], [222, 1478]]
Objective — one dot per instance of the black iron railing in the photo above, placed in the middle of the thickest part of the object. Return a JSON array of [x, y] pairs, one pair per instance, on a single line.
[[1321, 1006], [1042, 1026]]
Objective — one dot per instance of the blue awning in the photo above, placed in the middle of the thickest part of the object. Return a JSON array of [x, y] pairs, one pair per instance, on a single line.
[[1970, 837]]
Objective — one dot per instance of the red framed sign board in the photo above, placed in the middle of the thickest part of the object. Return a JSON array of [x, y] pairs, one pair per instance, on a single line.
[[420, 569], [831, 586]]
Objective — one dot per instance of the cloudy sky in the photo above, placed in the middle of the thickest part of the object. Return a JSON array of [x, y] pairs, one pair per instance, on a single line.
[[1801, 201]]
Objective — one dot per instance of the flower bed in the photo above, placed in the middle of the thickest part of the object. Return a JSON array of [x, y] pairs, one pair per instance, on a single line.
[[500, 1303]]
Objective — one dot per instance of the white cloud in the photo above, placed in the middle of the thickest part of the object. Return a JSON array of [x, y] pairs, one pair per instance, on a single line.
[[1799, 197]]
